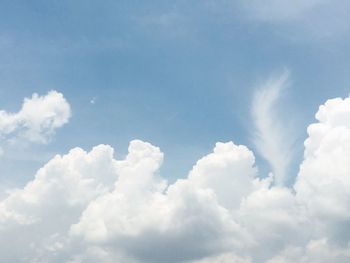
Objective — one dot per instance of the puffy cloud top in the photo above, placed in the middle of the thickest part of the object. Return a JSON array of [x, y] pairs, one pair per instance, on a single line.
[[37, 119], [92, 207]]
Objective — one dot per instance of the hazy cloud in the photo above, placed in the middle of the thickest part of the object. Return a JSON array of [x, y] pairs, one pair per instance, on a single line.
[[300, 20], [281, 10]]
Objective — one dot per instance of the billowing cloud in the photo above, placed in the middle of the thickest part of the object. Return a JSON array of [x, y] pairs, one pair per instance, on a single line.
[[94, 207], [324, 179], [170, 219], [37, 120]]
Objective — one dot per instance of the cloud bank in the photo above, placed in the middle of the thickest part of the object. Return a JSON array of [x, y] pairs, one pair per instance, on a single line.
[[92, 207]]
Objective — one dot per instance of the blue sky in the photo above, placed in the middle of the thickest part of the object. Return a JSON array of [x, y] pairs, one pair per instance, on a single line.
[[175, 131], [179, 74]]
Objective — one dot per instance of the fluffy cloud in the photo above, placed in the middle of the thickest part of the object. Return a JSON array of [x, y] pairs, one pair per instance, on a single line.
[[160, 223], [92, 207], [45, 208], [38, 118], [215, 171], [324, 179]]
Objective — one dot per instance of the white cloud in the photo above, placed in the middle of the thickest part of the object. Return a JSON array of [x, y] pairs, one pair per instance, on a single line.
[[272, 136], [91, 207], [324, 179], [216, 170], [316, 251], [143, 214], [37, 120], [48, 205]]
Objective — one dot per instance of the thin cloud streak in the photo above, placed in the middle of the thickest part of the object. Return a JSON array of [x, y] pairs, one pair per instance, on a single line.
[[271, 136]]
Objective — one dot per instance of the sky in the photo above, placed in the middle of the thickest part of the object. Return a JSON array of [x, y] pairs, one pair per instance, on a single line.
[[133, 129]]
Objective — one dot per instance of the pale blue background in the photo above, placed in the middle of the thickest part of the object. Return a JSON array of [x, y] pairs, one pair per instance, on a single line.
[[179, 74]]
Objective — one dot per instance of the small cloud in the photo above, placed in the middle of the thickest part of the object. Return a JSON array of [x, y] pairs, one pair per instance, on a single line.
[[37, 119], [93, 100]]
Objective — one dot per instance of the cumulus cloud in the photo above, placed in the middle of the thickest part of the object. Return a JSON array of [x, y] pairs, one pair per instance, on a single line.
[[170, 219], [37, 119], [323, 181], [94, 207]]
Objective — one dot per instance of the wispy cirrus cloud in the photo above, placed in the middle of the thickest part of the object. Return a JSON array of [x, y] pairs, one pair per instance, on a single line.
[[272, 137]]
